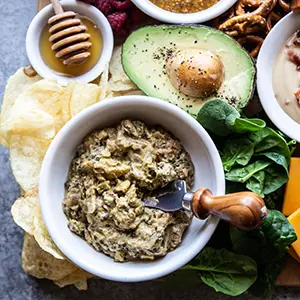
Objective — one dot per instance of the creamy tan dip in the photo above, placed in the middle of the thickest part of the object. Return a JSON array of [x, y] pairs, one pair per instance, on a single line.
[[113, 170], [286, 77]]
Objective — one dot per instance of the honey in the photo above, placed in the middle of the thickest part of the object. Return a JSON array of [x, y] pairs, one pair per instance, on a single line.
[[48, 55]]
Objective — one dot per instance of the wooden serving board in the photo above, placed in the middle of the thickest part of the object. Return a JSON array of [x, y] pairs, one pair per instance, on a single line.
[[290, 274]]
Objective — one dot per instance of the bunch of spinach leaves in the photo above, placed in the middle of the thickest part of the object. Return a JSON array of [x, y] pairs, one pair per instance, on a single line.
[[235, 260], [254, 157], [267, 245]]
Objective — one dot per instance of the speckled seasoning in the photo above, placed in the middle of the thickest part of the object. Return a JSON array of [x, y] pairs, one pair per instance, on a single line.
[[184, 6]]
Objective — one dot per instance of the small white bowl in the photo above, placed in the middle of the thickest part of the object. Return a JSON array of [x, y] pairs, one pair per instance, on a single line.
[[179, 18], [208, 173], [39, 22], [269, 51]]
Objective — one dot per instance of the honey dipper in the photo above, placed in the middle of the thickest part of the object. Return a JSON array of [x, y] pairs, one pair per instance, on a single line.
[[68, 35]]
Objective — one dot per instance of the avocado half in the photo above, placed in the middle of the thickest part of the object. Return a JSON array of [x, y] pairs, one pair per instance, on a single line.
[[146, 50]]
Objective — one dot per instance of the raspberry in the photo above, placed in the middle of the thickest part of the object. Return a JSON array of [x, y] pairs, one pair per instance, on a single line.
[[137, 15], [121, 5], [117, 21], [105, 6]]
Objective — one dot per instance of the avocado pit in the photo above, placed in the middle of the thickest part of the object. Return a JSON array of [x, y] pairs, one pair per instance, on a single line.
[[195, 72]]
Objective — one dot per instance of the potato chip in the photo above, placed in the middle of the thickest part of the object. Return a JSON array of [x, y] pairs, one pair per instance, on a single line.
[[115, 65], [119, 81], [120, 85], [26, 157], [16, 84], [29, 120], [48, 93], [83, 96], [78, 278], [27, 214], [113, 94], [51, 96], [43, 238], [22, 191], [23, 211], [65, 112], [135, 92], [4, 137], [37, 111], [41, 264], [103, 83]]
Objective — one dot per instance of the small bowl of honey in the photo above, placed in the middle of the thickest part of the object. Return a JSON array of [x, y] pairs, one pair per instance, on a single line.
[[184, 11], [45, 61]]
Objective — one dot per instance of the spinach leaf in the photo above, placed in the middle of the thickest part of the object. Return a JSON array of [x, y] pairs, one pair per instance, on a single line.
[[267, 274], [279, 230], [254, 244], [256, 183], [225, 271], [268, 242], [275, 178], [234, 187], [275, 199], [267, 245], [278, 158], [243, 174], [237, 151], [221, 118], [215, 115], [268, 140], [243, 125]]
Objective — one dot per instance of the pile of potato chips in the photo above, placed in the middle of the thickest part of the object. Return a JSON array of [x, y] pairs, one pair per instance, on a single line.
[[33, 111]]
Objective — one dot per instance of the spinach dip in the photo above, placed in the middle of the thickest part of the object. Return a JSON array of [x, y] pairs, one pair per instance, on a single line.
[[113, 170]]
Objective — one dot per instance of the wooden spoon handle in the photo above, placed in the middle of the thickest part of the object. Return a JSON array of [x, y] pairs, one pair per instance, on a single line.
[[57, 7], [245, 210]]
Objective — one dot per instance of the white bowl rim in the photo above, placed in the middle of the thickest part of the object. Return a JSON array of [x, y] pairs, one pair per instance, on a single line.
[[32, 43], [266, 93], [179, 18], [45, 179]]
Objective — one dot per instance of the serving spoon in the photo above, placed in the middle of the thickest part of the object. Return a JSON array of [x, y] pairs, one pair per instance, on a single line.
[[245, 210]]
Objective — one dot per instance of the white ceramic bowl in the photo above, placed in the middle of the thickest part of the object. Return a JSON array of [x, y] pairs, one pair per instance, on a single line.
[[269, 51], [39, 22], [177, 18], [208, 173]]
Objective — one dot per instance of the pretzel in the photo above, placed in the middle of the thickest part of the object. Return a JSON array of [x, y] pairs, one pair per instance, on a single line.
[[253, 40], [230, 13], [29, 71], [285, 4], [295, 6], [243, 4], [273, 17], [244, 25], [262, 7]]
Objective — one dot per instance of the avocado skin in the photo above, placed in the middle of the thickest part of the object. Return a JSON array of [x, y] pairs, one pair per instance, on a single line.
[[239, 104]]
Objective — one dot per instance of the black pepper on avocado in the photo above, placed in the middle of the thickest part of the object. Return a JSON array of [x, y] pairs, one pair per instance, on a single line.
[[188, 65]]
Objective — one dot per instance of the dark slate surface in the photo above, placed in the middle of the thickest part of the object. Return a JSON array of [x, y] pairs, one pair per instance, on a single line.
[[14, 284]]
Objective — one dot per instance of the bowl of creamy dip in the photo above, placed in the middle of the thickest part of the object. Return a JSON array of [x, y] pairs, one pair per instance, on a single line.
[[94, 176], [278, 75]]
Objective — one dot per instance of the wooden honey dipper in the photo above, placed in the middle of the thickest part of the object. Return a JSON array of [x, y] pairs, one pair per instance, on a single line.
[[68, 35]]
